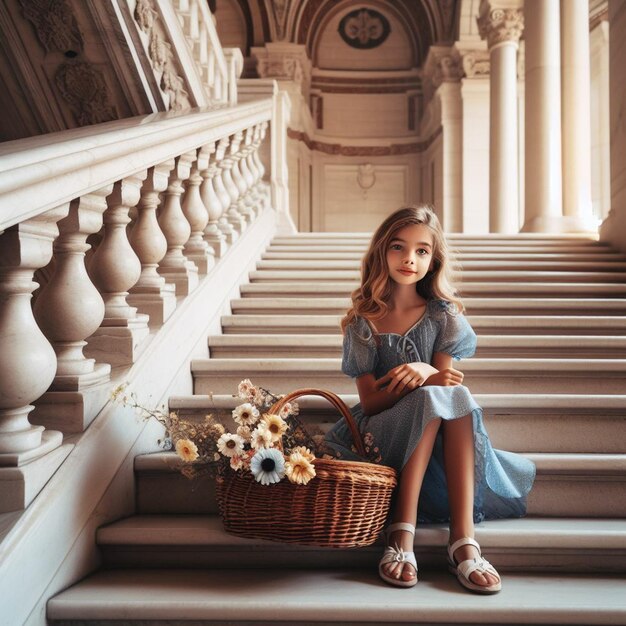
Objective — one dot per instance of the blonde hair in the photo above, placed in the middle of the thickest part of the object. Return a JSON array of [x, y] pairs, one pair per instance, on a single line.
[[371, 299]]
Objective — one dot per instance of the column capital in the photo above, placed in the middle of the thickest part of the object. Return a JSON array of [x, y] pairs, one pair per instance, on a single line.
[[476, 63], [500, 22], [443, 65]]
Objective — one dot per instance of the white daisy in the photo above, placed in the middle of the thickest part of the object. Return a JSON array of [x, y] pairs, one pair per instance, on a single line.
[[261, 437], [230, 445], [268, 466], [246, 414]]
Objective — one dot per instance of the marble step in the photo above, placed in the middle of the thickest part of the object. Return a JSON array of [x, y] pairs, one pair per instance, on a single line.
[[482, 239], [507, 255], [482, 375], [503, 290], [564, 423], [313, 346], [567, 485], [528, 544], [308, 265], [482, 324], [468, 248], [330, 597], [468, 276], [474, 306]]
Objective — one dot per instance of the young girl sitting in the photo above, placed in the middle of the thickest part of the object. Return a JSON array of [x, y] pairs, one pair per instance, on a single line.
[[401, 335]]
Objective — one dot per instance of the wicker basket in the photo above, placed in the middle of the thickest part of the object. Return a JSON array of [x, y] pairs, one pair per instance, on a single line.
[[344, 506]]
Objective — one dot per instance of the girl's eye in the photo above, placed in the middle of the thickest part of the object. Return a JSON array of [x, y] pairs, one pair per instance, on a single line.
[[395, 246], [421, 251]]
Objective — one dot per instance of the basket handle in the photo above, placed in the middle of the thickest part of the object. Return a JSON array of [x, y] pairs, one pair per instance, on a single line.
[[336, 401]]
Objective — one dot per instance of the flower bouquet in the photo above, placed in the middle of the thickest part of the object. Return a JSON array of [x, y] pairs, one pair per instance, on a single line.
[[323, 501]]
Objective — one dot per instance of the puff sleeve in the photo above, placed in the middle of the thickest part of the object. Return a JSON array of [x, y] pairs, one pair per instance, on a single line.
[[455, 336], [359, 349]]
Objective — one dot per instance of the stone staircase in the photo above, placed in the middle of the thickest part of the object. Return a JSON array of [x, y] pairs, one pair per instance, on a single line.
[[550, 374]]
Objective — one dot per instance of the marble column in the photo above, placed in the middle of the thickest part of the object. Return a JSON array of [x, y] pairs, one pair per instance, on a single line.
[[576, 117], [543, 179], [613, 229], [502, 28], [444, 69]]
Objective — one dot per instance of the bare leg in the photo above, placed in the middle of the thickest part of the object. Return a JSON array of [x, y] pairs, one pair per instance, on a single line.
[[407, 498], [458, 454]]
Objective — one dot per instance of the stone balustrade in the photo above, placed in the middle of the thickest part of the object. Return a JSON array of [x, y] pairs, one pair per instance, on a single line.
[[124, 219], [219, 67]]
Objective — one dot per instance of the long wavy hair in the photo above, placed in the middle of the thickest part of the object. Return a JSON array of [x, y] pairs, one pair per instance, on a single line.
[[372, 299]]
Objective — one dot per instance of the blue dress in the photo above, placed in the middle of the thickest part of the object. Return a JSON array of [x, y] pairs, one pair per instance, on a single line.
[[502, 479]]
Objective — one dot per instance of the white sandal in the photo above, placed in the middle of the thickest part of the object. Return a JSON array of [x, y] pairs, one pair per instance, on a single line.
[[393, 554], [464, 569]]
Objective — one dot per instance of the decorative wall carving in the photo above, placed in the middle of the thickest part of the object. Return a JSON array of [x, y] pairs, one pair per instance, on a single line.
[[161, 55], [363, 151], [476, 63], [280, 10], [500, 25], [364, 28], [55, 24], [366, 177], [80, 83], [83, 86]]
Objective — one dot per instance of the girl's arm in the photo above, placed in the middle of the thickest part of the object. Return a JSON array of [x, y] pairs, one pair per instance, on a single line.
[[378, 395], [446, 375]]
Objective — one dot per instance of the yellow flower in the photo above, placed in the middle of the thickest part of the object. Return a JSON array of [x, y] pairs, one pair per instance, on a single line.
[[299, 469], [276, 425], [117, 395], [186, 450], [305, 452]]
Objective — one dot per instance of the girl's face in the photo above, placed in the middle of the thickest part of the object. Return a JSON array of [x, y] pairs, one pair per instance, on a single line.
[[410, 254]]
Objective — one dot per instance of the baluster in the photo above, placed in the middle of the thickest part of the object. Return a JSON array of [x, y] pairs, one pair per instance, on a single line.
[[151, 294], [218, 183], [114, 268], [244, 178], [175, 267], [212, 234], [227, 164], [68, 310], [262, 186], [197, 249], [27, 364], [253, 198]]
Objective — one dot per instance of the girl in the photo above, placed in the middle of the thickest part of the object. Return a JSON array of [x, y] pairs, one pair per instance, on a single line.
[[401, 335]]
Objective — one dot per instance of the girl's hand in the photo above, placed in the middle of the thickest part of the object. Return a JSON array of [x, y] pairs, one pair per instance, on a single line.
[[448, 377], [407, 376]]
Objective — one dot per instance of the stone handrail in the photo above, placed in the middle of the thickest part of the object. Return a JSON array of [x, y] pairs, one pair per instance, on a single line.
[[130, 213]]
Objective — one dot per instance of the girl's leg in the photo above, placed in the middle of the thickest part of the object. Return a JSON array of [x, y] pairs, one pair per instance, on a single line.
[[407, 497], [458, 455]]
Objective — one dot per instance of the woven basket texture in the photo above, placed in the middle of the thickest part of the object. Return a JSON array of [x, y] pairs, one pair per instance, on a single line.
[[344, 506]]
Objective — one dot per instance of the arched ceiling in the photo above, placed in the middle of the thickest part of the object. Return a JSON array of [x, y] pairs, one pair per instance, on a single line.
[[427, 22]]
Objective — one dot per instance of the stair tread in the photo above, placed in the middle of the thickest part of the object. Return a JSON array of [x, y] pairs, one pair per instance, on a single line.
[[350, 596], [561, 533], [546, 462], [473, 365], [578, 403]]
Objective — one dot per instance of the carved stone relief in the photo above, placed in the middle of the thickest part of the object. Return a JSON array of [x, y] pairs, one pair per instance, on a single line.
[[82, 85], [161, 55], [54, 23], [500, 25], [364, 28], [476, 64]]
